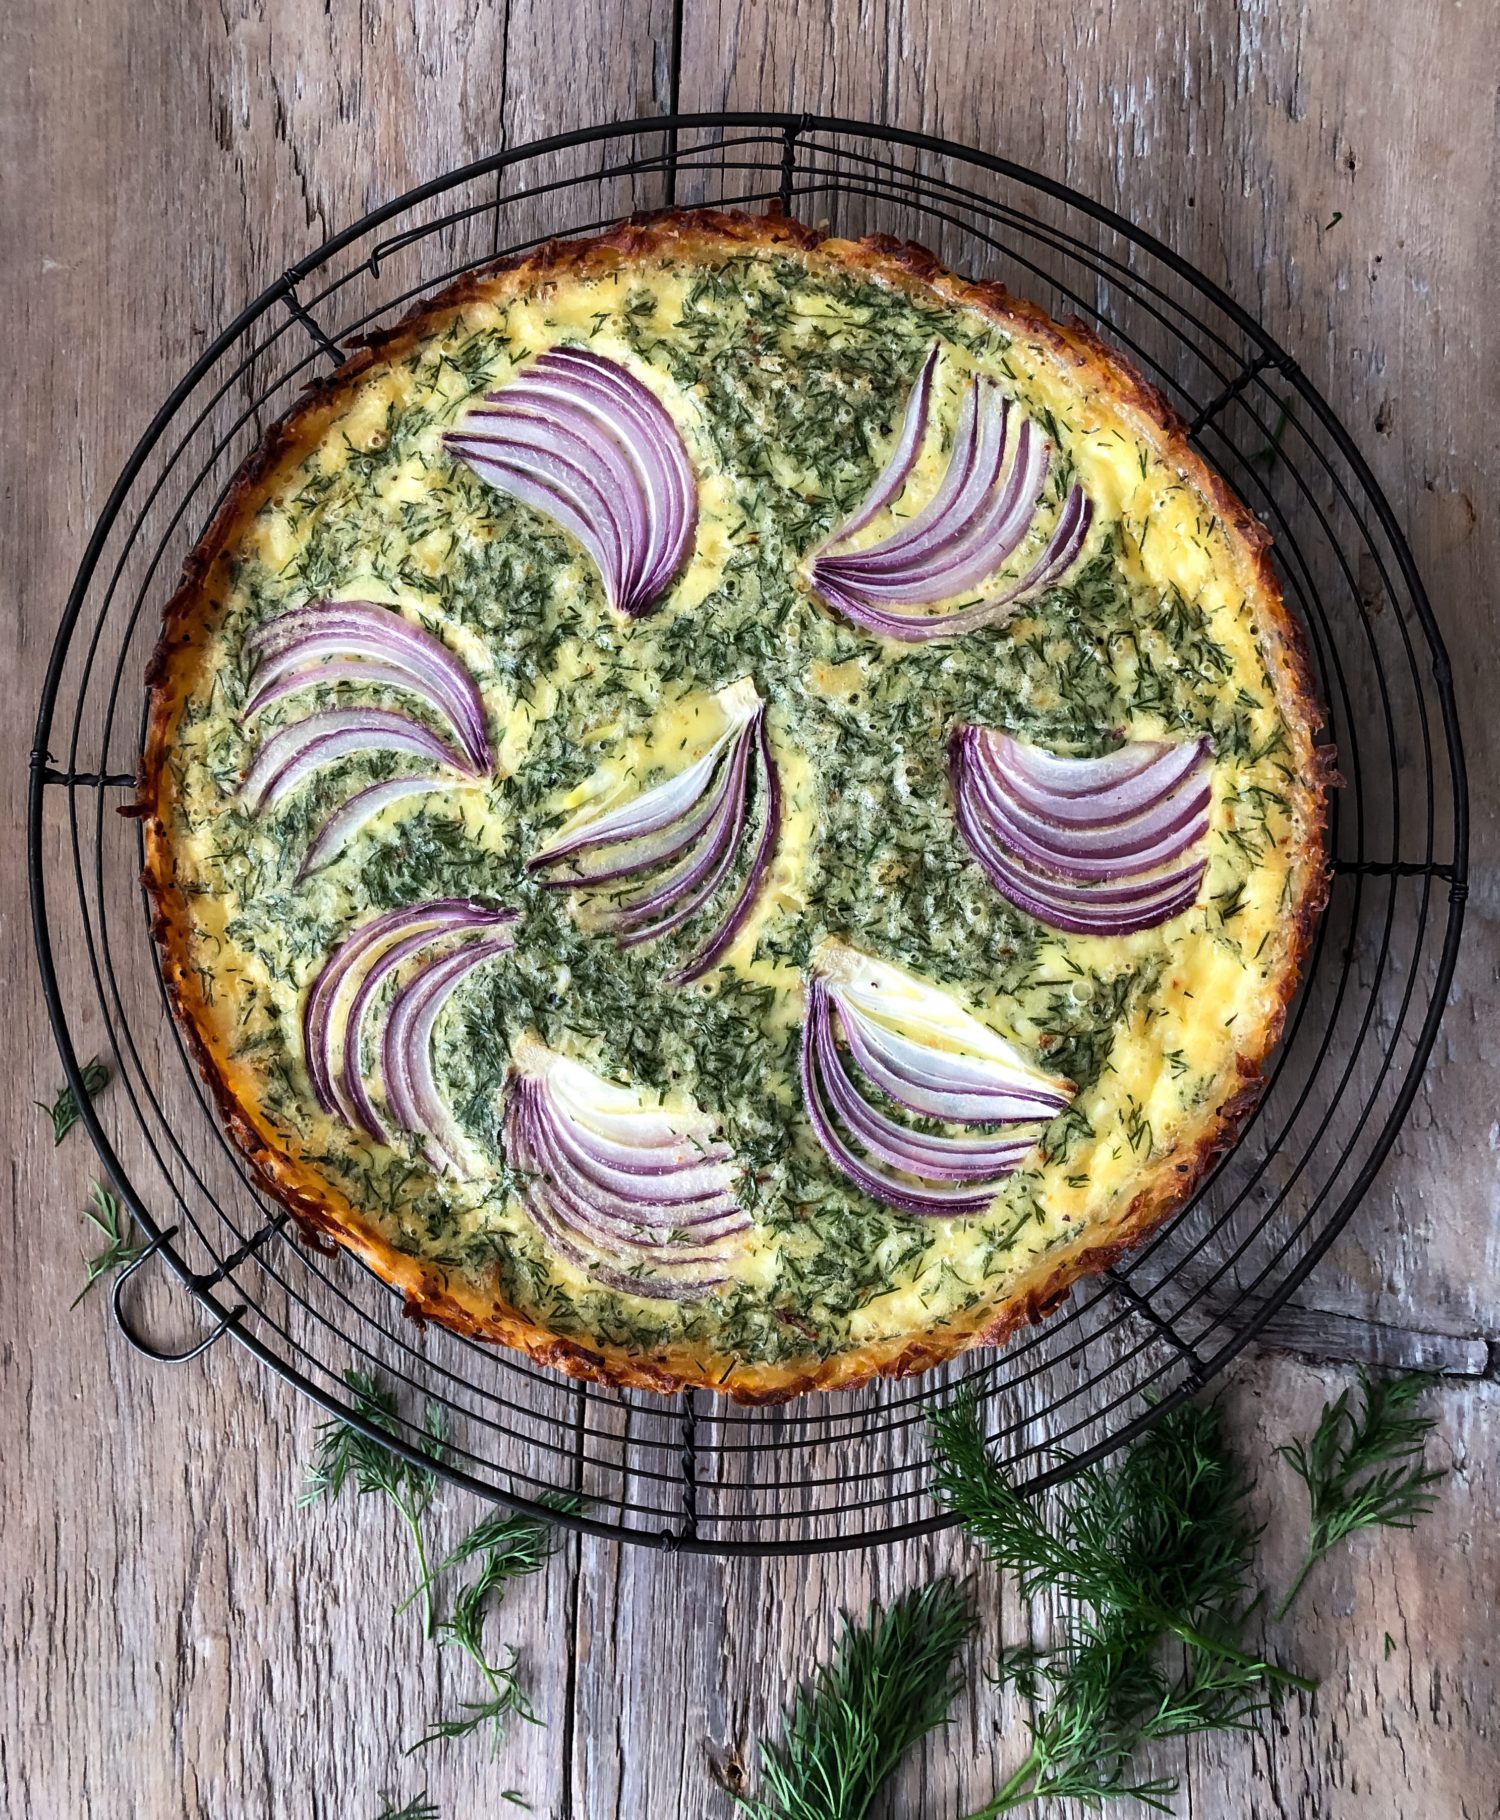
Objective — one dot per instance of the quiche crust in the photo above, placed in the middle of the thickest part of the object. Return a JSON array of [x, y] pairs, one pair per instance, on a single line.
[[327, 1219]]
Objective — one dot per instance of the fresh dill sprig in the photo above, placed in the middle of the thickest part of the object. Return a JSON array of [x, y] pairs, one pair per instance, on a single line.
[[63, 1111], [342, 1452], [1154, 1553], [507, 1547], [1107, 1695], [115, 1224], [418, 1808], [1363, 1468], [891, 1681]]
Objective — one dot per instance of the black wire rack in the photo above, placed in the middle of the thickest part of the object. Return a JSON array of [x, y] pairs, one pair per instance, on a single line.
[[851, 1469]]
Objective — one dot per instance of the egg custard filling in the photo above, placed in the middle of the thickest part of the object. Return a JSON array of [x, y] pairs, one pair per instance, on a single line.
[[726, 807]]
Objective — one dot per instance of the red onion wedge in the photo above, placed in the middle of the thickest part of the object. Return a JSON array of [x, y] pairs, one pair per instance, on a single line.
[[580, 438], [373, 645], [640, 1200], [1091, 846], [977, 531], [333, 1013], [976, 520], [929, 1056], [661, 858]]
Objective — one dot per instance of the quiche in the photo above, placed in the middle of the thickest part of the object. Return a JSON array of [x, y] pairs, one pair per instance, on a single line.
[[726, 807]]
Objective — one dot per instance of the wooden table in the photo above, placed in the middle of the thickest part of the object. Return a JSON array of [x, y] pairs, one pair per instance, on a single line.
[[178, 1639]]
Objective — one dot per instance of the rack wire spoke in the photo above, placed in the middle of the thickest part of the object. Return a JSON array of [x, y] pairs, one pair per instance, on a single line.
[[693, 1472]]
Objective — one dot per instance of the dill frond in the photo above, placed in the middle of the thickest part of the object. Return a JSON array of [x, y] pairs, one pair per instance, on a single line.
[[342, 1453], [1363, 1467], [892, 1680], [508, 1547], [418, 1808], [1152, 1561]]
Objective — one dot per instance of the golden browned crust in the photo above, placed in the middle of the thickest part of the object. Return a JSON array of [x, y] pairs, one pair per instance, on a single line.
[[325, 1218]]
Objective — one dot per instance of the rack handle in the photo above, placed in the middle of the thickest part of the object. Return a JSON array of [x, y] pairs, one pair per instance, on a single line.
[[158, 1355]]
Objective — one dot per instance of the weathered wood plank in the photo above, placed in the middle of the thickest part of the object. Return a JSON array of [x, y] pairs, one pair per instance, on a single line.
[[1321, 1333], [175, 1640]]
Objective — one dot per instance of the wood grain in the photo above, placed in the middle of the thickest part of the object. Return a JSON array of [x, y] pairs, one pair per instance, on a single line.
[[175, 1638]]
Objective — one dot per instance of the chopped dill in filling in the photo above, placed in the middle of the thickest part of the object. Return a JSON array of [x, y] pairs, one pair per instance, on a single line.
[[787, 384]]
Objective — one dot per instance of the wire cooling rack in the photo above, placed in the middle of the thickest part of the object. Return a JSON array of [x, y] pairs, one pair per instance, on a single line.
[[838, 1471]]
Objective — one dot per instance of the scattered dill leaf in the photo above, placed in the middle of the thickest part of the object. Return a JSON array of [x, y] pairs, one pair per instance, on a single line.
[[419, 1808], [1363, 1467], [115, 1224], [507, 1547], [1270, 456], [63, 1111], [508, 1697], [342, 1452], [891, 1681], [1152, 1560]]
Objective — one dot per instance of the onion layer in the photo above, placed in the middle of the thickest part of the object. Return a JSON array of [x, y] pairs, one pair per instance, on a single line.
[[293, 753], [977, 519], [411, 1090], [1093, 846], [639, 1200], [580, 438], [899, 463], [361, 642], [340, 827], [664, 855], [377, 646], [929, 1056]]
